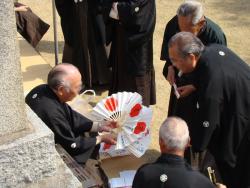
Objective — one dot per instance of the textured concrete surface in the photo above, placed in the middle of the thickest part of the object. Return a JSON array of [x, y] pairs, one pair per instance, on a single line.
[[34, 68], [63, 178], [33, 158], [12, 113]]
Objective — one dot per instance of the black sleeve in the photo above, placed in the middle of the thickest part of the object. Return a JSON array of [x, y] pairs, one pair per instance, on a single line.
[[66, 137], [138, 20], [80, 123], [170, 29], [208, 113], [129, 12], [139, 180]]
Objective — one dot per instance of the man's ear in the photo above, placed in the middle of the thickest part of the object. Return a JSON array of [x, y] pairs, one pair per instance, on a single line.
[[60, 90], [188, 143], [162, 145], [193, 59], [201, 23]]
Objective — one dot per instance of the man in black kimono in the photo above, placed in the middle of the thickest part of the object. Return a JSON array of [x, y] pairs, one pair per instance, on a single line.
[[48, 101], [222, 123], [190, 17], [84, 34], [132, 24], [170, 169]]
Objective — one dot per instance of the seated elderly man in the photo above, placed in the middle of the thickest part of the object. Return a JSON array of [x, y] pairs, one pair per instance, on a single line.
[[48, 101], [170, 169]]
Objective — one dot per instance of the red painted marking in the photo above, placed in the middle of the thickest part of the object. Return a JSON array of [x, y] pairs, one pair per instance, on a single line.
[[106, 146], [140, 127], [111, 104], [135, 110]]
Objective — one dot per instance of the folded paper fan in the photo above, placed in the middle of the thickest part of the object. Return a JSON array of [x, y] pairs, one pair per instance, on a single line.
[[132, 121]]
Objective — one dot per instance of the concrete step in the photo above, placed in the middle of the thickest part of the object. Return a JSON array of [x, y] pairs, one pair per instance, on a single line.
[[34, 68]]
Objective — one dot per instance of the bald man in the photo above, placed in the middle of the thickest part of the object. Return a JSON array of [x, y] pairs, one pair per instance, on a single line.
[[170, 169], [48, 101]]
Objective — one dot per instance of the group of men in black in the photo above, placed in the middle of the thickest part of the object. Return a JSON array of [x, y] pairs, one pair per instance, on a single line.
[[212, 82], [89, 29]]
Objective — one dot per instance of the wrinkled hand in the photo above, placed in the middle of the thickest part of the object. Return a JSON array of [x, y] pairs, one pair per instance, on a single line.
[[22, 8], [107, 126], [171, 75], [186, 90], [108, 138], [218, 185]]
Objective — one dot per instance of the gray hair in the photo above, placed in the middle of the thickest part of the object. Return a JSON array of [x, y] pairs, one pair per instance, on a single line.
[[56, 77], [174, 133], [187, 43], [192, 9]]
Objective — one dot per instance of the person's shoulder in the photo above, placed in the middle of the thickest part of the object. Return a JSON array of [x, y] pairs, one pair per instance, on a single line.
[[213, 27], [148, 167], [173, 22], [40, 89], [41, 97], [197, 177]]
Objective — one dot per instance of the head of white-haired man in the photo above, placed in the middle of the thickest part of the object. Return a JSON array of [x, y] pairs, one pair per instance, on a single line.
[[174, 136], [191, 17]]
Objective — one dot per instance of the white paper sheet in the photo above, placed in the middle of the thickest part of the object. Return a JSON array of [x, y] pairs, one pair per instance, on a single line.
[[128, 177], [117, 182]]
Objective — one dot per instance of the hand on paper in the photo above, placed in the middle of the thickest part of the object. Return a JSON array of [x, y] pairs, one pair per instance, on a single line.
[[107, 126], [108, 138], [186, 90]]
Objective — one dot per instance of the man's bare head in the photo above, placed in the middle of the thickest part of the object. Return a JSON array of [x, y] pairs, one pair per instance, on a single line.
[[173, 135], [65, 80], [191, 16]]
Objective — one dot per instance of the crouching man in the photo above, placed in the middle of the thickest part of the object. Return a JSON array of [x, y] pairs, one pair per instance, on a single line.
[[48, 101]]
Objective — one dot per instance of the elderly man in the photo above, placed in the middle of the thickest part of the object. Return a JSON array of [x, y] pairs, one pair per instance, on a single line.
[[170, 169], [48, 101], [222, 123], [190, 17]]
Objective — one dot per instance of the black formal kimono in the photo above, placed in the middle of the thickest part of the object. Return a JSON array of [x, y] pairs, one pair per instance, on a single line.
[[222, 113], [184, 107], [131, 55], [30, 26], [169, 171], [67, 124], [84, 32]]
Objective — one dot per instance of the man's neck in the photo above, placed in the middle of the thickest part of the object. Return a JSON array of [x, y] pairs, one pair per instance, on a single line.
[[174, 152]]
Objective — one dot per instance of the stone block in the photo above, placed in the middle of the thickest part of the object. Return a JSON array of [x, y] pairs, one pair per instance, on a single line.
[[31, 158]]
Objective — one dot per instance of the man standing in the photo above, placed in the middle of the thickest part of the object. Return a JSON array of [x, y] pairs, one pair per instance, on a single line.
[[190, 17], [84, 35], [170, 169], [132, 24], [222, 123], [48, 101]]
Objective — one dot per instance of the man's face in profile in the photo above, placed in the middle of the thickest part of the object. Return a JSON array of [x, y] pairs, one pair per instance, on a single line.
[[185, 24], [75, 86], [185, 65]]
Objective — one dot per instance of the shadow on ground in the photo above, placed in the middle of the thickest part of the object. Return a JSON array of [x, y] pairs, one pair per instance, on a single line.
[[48, 46], [34, 72]]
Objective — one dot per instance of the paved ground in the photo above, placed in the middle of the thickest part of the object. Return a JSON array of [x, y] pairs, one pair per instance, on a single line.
[[233, 16]]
